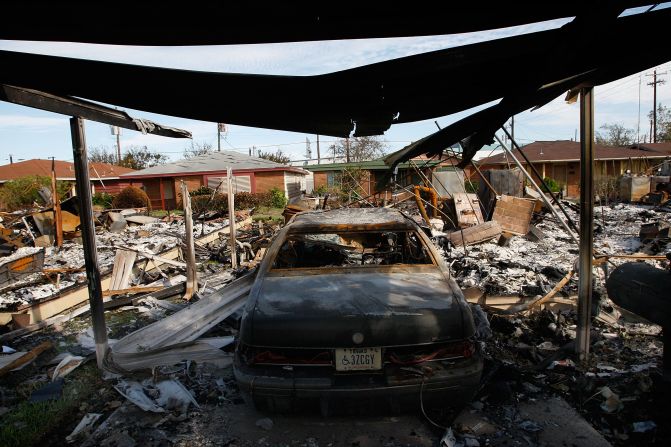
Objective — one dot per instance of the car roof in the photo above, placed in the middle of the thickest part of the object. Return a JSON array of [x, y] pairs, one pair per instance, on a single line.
[[352, 219]]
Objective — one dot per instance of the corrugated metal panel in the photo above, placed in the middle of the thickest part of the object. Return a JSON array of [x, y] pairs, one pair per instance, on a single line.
[[447, 183], [292, 185], [241, 183]]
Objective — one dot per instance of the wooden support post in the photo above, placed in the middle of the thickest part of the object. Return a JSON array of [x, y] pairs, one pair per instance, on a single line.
[[58, 216], [191, 276], [89, 238], [231, 215]]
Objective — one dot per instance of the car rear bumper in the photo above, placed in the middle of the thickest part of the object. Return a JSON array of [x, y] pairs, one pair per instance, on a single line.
[[459, 381]]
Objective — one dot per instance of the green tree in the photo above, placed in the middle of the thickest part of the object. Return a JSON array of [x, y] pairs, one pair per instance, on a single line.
[[615, 135], [663, 123], [359, 148], [134, 157], [277, 157], [23, 192], [141, 157]]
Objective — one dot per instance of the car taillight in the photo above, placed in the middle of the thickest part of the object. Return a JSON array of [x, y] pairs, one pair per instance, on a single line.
[[417, 355], [261, 356]]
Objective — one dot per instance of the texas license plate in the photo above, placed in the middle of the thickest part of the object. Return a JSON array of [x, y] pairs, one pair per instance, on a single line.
[[358, 359]]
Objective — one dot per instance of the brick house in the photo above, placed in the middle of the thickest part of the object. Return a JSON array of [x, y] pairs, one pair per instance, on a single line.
[[251, 174], [560, 160]]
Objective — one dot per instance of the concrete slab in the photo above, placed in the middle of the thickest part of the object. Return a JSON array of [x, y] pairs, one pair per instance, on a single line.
[[561, 424]]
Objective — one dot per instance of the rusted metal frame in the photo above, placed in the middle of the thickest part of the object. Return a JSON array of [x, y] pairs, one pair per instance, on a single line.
[[538, 175], [420, 205], [585, 272], [427, 203], [349, 228], [85, 109], [89, 238], [361, 198]]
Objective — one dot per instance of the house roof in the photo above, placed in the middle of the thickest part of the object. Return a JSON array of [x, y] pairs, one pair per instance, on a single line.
[[655, 147], [564, 150], [214, 162], [379, 165], [64, 170]]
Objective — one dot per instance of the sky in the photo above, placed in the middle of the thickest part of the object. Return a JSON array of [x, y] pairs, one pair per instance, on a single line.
[[30, 133]]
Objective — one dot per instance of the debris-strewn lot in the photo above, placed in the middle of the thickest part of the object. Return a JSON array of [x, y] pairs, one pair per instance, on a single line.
[[533, 392]]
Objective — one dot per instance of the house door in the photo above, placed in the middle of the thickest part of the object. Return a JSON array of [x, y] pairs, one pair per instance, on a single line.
[[168, 194]]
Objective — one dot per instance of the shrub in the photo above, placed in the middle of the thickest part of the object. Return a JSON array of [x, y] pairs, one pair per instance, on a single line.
[[320, 190], [243, 201], [552, 184], [23, 191], [103, 199], [202, 191], [277, 198], [131, 197]]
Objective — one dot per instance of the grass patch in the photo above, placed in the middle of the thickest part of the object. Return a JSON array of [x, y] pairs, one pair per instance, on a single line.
[[265, 214], [163, 213], [28, 423]]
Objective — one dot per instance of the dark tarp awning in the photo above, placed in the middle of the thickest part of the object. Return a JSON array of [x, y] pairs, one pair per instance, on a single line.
[[206, 22], [595, 48]]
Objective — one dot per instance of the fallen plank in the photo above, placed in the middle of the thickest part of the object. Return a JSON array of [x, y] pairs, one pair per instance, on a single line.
[[174, 338], [164, 292], [475, 234], [131, 290], [124, 260], [29, 356], [58, 303]]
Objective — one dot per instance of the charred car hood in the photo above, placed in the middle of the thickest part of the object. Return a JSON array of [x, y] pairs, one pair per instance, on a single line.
[[389, 309]]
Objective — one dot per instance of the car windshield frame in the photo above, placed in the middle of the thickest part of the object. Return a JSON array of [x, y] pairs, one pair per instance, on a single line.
[[351, 268]]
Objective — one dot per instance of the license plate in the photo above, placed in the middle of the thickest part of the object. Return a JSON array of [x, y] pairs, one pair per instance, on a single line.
[[358, 359]]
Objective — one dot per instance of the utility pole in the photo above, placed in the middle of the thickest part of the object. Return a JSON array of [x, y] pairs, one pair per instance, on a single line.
[[319, 155], [654, 83], [11, 160], [512, 129], [116, 130]]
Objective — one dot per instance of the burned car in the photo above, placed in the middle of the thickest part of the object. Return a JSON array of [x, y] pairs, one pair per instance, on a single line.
[[355, 303]]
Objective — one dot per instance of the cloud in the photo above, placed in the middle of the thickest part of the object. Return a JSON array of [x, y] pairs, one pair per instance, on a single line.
[[27, 122]]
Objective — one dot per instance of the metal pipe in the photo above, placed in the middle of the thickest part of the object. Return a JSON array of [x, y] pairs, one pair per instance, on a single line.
[[586, 221], [89, 237], [535, 186]]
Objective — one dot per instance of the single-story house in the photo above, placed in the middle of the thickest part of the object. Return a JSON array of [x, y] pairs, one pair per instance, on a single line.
[[560, 160], [375, 172], [104, 177], [251, 174]]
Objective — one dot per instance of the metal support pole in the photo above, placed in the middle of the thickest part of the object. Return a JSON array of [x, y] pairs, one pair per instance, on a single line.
[[89, 237], [535, 186], [586, 221]]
